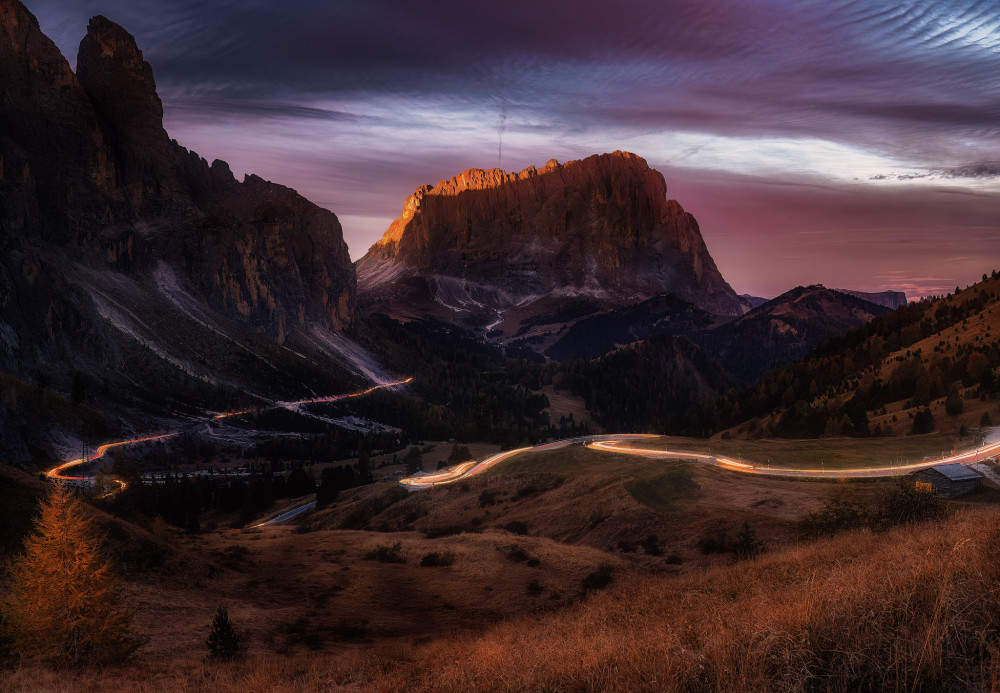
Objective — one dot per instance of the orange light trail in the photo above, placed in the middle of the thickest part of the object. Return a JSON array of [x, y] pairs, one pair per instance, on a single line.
[[966, 457], [57, 471], [468, 469], [619, 444]]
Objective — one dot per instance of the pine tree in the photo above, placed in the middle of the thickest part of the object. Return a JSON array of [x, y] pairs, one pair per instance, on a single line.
[[747, 545], [414, 461], [224, 642], [65, 605]]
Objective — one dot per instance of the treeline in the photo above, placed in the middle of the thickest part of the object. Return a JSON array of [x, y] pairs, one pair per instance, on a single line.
[[644, 385], [847, 363], [183, 499], [469, 390]]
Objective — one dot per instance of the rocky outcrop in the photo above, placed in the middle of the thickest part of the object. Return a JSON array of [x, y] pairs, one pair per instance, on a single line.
[[120, 85], [135, 277], [87, 170], [55, 167], [600, 227], [889, 299]]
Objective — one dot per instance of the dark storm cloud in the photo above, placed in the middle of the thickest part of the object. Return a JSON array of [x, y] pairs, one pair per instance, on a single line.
[[843, 70]]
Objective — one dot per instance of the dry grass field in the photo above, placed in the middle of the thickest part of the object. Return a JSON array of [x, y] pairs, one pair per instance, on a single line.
[[495, 584]]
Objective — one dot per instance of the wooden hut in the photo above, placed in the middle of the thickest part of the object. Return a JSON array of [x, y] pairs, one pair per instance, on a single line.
[[949, 480]]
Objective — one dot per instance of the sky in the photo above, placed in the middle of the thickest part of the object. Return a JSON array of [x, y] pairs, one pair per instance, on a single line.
[[852, 143]]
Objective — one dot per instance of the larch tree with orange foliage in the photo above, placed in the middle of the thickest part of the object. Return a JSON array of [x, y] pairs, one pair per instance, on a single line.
[[65, 605]]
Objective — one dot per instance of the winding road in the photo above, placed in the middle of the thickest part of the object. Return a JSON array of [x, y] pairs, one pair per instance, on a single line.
[[59, 471], [622, 444]]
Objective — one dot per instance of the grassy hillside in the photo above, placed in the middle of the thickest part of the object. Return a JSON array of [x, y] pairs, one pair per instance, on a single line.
[[928, 366], [912, 609], [915, 608]]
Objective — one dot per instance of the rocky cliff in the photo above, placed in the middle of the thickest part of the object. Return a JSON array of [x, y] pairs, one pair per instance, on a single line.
[[86, 164], [134, 265], [483, 241]]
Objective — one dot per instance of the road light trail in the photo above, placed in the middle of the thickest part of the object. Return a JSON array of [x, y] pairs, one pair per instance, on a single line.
[[620, 444], [966, 457], [468, 469], [57, 472]]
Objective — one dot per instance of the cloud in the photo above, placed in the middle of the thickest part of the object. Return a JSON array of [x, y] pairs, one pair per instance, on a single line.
[[824, 111], [985, 169]]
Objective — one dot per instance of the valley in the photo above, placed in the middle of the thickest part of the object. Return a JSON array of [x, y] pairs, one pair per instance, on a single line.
[[533, 438]]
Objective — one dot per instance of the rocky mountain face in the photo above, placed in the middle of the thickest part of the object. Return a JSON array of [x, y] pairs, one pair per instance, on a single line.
[[124, 253], [88, 165], [473, 247]]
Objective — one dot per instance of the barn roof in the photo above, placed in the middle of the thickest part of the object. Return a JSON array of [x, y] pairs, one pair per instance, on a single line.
[[956, 472]]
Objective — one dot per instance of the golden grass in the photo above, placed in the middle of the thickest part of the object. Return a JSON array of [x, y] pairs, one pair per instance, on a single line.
[[914, 609]]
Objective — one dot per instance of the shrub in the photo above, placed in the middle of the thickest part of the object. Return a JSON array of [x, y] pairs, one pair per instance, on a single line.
[[517, 554], [599, 579], [386, 554], [223, 642], [923, 422], [904, 503], [516, 527], [714, 543], [651, 545], [435, 559], [953, 405], [746, 545], [895, 504], [837, 515]]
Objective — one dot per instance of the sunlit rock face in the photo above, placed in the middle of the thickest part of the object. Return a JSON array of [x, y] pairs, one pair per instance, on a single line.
[[600, 228]]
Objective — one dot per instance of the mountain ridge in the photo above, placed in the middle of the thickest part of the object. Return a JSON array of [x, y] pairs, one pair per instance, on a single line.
[[485, 241]]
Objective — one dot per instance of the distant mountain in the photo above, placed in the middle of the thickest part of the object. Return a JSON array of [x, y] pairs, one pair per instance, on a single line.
[[750, 302], [483, 248], [937, 358], [132, 270], [889, 299], [643, 385], [772, 334], [784, 329], [664, 357]]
